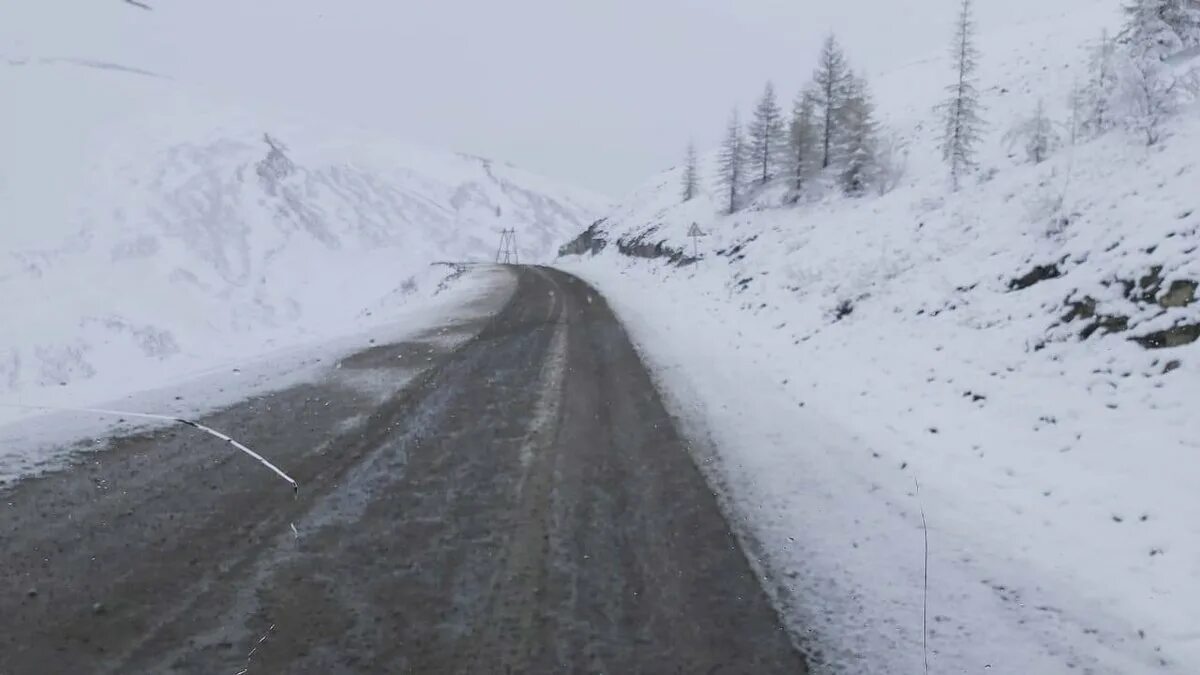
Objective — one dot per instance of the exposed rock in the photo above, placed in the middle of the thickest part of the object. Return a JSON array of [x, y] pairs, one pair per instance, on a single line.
[[1086, 309], [1172, 337], [638, 247], [1149, 284], [589, 241], [1108, 323], [1037, 275], [1146, 291], [1081, 309], [1181, 294], [276, 166], [737, 251]]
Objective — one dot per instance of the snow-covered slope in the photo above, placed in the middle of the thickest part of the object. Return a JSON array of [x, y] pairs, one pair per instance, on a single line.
[[1023, 348], [146, 230]]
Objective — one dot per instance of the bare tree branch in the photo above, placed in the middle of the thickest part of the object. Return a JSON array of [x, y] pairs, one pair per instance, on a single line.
[[143, 5]]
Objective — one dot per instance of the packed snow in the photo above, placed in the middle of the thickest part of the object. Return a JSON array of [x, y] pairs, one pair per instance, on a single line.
[[1018, 349], [148, 231]]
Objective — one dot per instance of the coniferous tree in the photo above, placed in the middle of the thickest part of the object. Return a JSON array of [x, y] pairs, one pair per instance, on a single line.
[[732, 164], [962, 109], [1148, 91], [1037, 135], [1147, 96], [859, 138], [1159, 29], [1184, 18], [691, 176], [891, 158], [768, 137], [830, 81], [803, 147], [1092, 102]]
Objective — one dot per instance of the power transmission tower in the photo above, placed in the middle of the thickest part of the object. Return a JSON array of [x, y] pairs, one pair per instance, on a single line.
[[508, 253]]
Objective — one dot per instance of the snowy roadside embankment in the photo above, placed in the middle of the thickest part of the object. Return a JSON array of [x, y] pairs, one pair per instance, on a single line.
[[1062, 512]]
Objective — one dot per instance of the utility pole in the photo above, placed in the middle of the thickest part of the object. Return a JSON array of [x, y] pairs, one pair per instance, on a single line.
[[508, 252]]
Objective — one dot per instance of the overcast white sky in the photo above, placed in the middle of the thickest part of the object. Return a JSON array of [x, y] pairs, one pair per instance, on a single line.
[[597, 93]]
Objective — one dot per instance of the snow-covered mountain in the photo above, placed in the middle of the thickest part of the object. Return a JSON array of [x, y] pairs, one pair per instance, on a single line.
[[1025, 348], [146, 229]]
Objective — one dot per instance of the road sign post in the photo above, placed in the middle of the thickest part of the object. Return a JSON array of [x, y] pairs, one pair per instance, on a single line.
[[695, 233]]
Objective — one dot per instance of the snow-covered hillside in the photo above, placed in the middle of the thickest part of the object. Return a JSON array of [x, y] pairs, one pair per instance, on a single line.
[[1024, 349], [146, 230]]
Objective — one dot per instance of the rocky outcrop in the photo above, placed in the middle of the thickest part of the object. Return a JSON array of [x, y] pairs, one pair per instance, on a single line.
[[639, 247], [1147, 293], [1176, 336], [1181, 294], [590, 241], [1037, 275]]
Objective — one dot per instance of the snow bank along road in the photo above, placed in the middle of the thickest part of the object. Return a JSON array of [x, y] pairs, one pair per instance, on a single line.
[[524, 505]]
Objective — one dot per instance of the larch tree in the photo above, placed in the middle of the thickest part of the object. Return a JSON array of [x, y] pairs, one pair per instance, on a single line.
[[1184, 18], [830, 81], [962, 110], [1092, 101], [691, 173], [731, 176], [1149, 91], [803, 155], [1037, 135], [1159, 29], [858, 140], [768, 137], [1147, 97]]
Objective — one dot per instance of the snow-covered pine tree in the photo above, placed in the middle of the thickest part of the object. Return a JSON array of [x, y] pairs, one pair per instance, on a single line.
[[1147, 96], [732, 167], [892, 160], [1184, 17], [829, 93], [768, 137], [691, 177], [1148, 92], [1092, 102], [803, 148], [857, 140], [1159, 29], [1037, 135], [962, 110]]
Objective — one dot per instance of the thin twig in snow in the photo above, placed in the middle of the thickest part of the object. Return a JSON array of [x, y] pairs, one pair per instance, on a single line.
[[178, 420], [925, 592]]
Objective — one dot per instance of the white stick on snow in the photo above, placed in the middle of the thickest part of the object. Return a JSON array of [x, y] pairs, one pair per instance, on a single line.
[[178, 420]]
